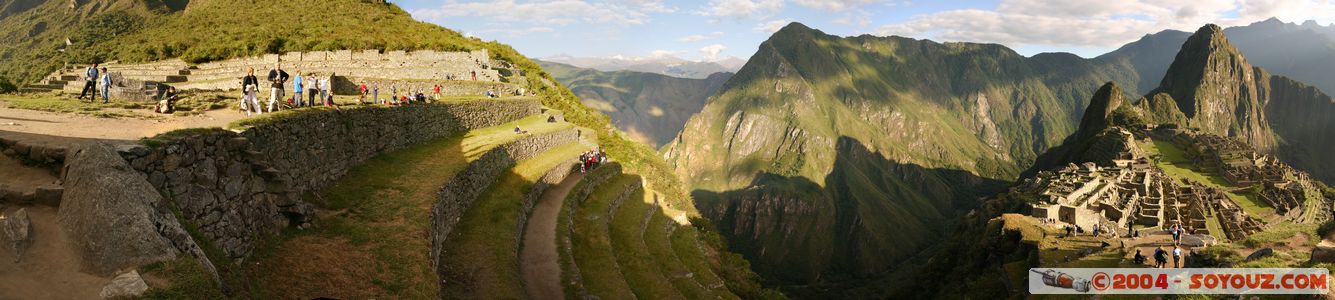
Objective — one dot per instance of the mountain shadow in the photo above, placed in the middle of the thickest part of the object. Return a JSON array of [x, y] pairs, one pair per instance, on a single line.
[[869, 215]]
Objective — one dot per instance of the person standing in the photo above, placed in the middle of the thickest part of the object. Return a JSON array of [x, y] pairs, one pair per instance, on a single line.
[[296, 90], [1177, 257], [250, 85], [277, 77], [90, 83], [106, 86], [361, 93], [313, 89], [375, 93], [436, 96], [324, 92]]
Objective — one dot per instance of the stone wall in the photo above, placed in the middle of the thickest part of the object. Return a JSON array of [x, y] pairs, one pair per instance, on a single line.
[[460, 192], [237, 186], [549, 179], [574, 200]]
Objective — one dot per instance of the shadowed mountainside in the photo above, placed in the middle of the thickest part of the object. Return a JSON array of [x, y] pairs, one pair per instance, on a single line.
[[649, 107]]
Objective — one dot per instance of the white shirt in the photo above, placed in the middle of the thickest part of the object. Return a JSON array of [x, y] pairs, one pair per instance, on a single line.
[[1177, 251], [324, 84]]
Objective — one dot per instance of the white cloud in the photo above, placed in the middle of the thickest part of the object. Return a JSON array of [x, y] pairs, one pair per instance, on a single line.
[[520, 32], [558, 12], [835, 5], [772, 26], [656, 54], [700, 37], [711, 52], [656, 6], [1096, 23], [740, 8]]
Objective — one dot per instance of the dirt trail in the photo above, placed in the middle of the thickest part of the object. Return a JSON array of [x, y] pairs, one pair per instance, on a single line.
[[83, 126], [538, 260], [50, 268]]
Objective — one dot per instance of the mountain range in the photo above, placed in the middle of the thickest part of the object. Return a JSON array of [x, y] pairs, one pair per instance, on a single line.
[[650, 107], [829, 160], [665, 65]]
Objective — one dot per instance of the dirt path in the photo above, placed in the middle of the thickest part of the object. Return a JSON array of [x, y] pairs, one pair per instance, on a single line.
[[50, 268], [84, 126], [538, 260]]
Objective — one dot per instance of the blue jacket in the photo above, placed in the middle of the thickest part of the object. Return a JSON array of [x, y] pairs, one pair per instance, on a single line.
[[92, 73], [106, 79], [296, 83]]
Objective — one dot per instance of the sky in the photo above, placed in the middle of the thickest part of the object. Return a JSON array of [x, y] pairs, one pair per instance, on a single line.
[[711, 30]]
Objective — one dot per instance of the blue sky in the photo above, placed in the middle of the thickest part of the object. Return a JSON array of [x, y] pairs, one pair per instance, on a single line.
[[716, 29]]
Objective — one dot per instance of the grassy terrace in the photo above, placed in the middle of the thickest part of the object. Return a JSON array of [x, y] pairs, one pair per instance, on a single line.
[[592, 247], [659, 244], [686, 243], [1175, 164], [646, 279], [481, 245], [371, 236]]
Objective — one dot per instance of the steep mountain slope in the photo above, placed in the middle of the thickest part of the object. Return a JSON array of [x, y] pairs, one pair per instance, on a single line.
[[650, 107], [957, 113], [1304, 52], [1207, 74], [1217, 90], [1212, 87]]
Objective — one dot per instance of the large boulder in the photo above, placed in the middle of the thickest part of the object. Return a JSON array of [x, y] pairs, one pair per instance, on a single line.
[[1324, 252], [128, 284], [107, 212]]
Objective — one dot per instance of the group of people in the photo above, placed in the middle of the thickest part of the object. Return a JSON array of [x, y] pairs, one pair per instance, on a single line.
[[92, 77], [1161, 257], [591, 160], [410, 95]]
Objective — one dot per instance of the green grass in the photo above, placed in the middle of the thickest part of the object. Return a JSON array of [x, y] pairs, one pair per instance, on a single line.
[[1277, 232], [659, 244], [372, 245], [644, 276], [686, 244], [482, 243], [1175, 164], [592, 246]]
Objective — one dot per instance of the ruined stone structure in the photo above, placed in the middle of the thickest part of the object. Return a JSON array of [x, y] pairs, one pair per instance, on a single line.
[[459, 73], [239, 186], [1134, 194]]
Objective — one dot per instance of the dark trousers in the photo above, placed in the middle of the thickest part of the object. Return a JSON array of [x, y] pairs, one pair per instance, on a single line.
[[89, 89]]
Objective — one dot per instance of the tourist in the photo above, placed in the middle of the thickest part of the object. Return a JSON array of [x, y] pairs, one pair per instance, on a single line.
[[90, 83], [361, 95], [1176, 230], [474, 75], [1095, 232], [313, 88], [490, 94], [1139, 259], [277, 77], [106, 85], [394, 90], [1160, 257], [436, 95], [375, 93], [249, 86], [324, 92], [1177, 257], [296, 90], [168, 103]]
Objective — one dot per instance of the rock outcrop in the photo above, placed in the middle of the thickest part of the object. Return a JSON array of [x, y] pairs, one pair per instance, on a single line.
[[128, 284], [17, 229], [108, 213], [1217, 90]]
